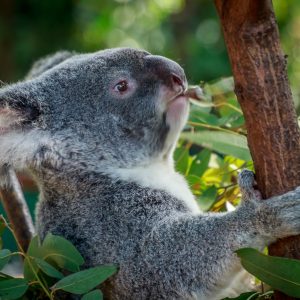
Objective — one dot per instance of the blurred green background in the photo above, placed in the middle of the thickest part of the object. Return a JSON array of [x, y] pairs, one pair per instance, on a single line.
[[186, 31]]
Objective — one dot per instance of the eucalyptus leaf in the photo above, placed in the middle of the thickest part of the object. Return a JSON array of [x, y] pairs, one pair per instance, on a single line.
[[30, 268], [282, 274], [48, 269], [208, 198], [34, 248], [245, 296], [220, 86], [13, 288], [93, 295], [5, 255], [200, 163], [83, 281], [181, 157], [198, 114], [222, 142], [62, 252]]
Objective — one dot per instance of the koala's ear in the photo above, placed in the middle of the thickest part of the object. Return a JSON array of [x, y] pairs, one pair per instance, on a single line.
[[21, 125], [48, 62], [19, 108]]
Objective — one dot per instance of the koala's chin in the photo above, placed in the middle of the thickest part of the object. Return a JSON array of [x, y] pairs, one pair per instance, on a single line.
[[176, 109]]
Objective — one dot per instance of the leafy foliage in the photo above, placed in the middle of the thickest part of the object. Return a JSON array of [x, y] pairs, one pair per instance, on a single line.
[[281, 273], [213, 147], [45, 266]]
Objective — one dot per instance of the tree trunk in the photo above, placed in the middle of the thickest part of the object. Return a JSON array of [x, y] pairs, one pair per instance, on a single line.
[[262, 87]]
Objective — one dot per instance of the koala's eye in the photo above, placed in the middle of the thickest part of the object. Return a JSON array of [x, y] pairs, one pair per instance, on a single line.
[[121, 86]]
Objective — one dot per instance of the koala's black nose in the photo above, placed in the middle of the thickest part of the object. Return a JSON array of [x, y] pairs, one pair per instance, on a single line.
[[166, 70]]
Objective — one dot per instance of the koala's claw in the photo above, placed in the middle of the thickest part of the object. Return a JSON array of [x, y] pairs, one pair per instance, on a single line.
[[246, 181]]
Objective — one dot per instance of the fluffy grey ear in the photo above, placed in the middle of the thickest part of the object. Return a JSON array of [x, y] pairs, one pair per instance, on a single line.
[[20, 124], [48, 62], [19, 108]]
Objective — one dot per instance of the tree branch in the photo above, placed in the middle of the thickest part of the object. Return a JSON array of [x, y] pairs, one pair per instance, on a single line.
[[16, 207]]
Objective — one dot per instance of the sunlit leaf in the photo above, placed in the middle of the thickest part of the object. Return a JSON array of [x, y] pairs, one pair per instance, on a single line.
[[200, 163], [221, 86], [222, 142], [197, 114], [208, 198], [182, 160]]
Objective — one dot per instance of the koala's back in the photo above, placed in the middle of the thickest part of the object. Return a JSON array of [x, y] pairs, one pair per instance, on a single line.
[[110, 226]]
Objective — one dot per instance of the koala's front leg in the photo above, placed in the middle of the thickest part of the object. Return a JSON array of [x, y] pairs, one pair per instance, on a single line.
[[195, 255]]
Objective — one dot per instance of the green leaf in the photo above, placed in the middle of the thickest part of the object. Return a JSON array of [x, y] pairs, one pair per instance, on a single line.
[[192, 180], [222, 142], [221, 86], [200, 163], [12, 288], [93, 295], [48, 269], [29, 263], [34, 247], [208, 198], [198, 114], [5, 277], [4, 257], [182, 160], [54, 249], [245, 296], [33, 250], [62, 252], [83, 281], [282, 274]]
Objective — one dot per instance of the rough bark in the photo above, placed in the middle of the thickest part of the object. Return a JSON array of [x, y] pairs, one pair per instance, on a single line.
[[262, 87], [16, 208]]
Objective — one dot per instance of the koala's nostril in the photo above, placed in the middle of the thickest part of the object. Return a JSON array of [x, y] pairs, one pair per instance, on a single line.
[[177, 80]]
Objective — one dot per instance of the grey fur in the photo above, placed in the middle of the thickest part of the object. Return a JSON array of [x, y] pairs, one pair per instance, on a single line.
[[73, 133]]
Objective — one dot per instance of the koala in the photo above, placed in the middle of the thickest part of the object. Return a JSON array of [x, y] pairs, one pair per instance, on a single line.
[[97, 132]]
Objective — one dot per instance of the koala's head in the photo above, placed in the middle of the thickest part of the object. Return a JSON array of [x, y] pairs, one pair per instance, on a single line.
[[122, 106]]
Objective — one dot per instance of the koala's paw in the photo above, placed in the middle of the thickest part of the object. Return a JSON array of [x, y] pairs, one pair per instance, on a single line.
[[247, 183], [283, 213]]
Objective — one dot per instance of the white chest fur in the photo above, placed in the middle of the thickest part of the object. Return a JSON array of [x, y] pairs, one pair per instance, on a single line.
[[162, 176]]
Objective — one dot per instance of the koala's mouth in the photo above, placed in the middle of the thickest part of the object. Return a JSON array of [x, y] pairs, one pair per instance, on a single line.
[[180, 96], [177, 109]]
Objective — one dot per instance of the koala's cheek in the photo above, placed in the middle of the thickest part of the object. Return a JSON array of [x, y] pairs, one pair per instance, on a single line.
[[177, 111]]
